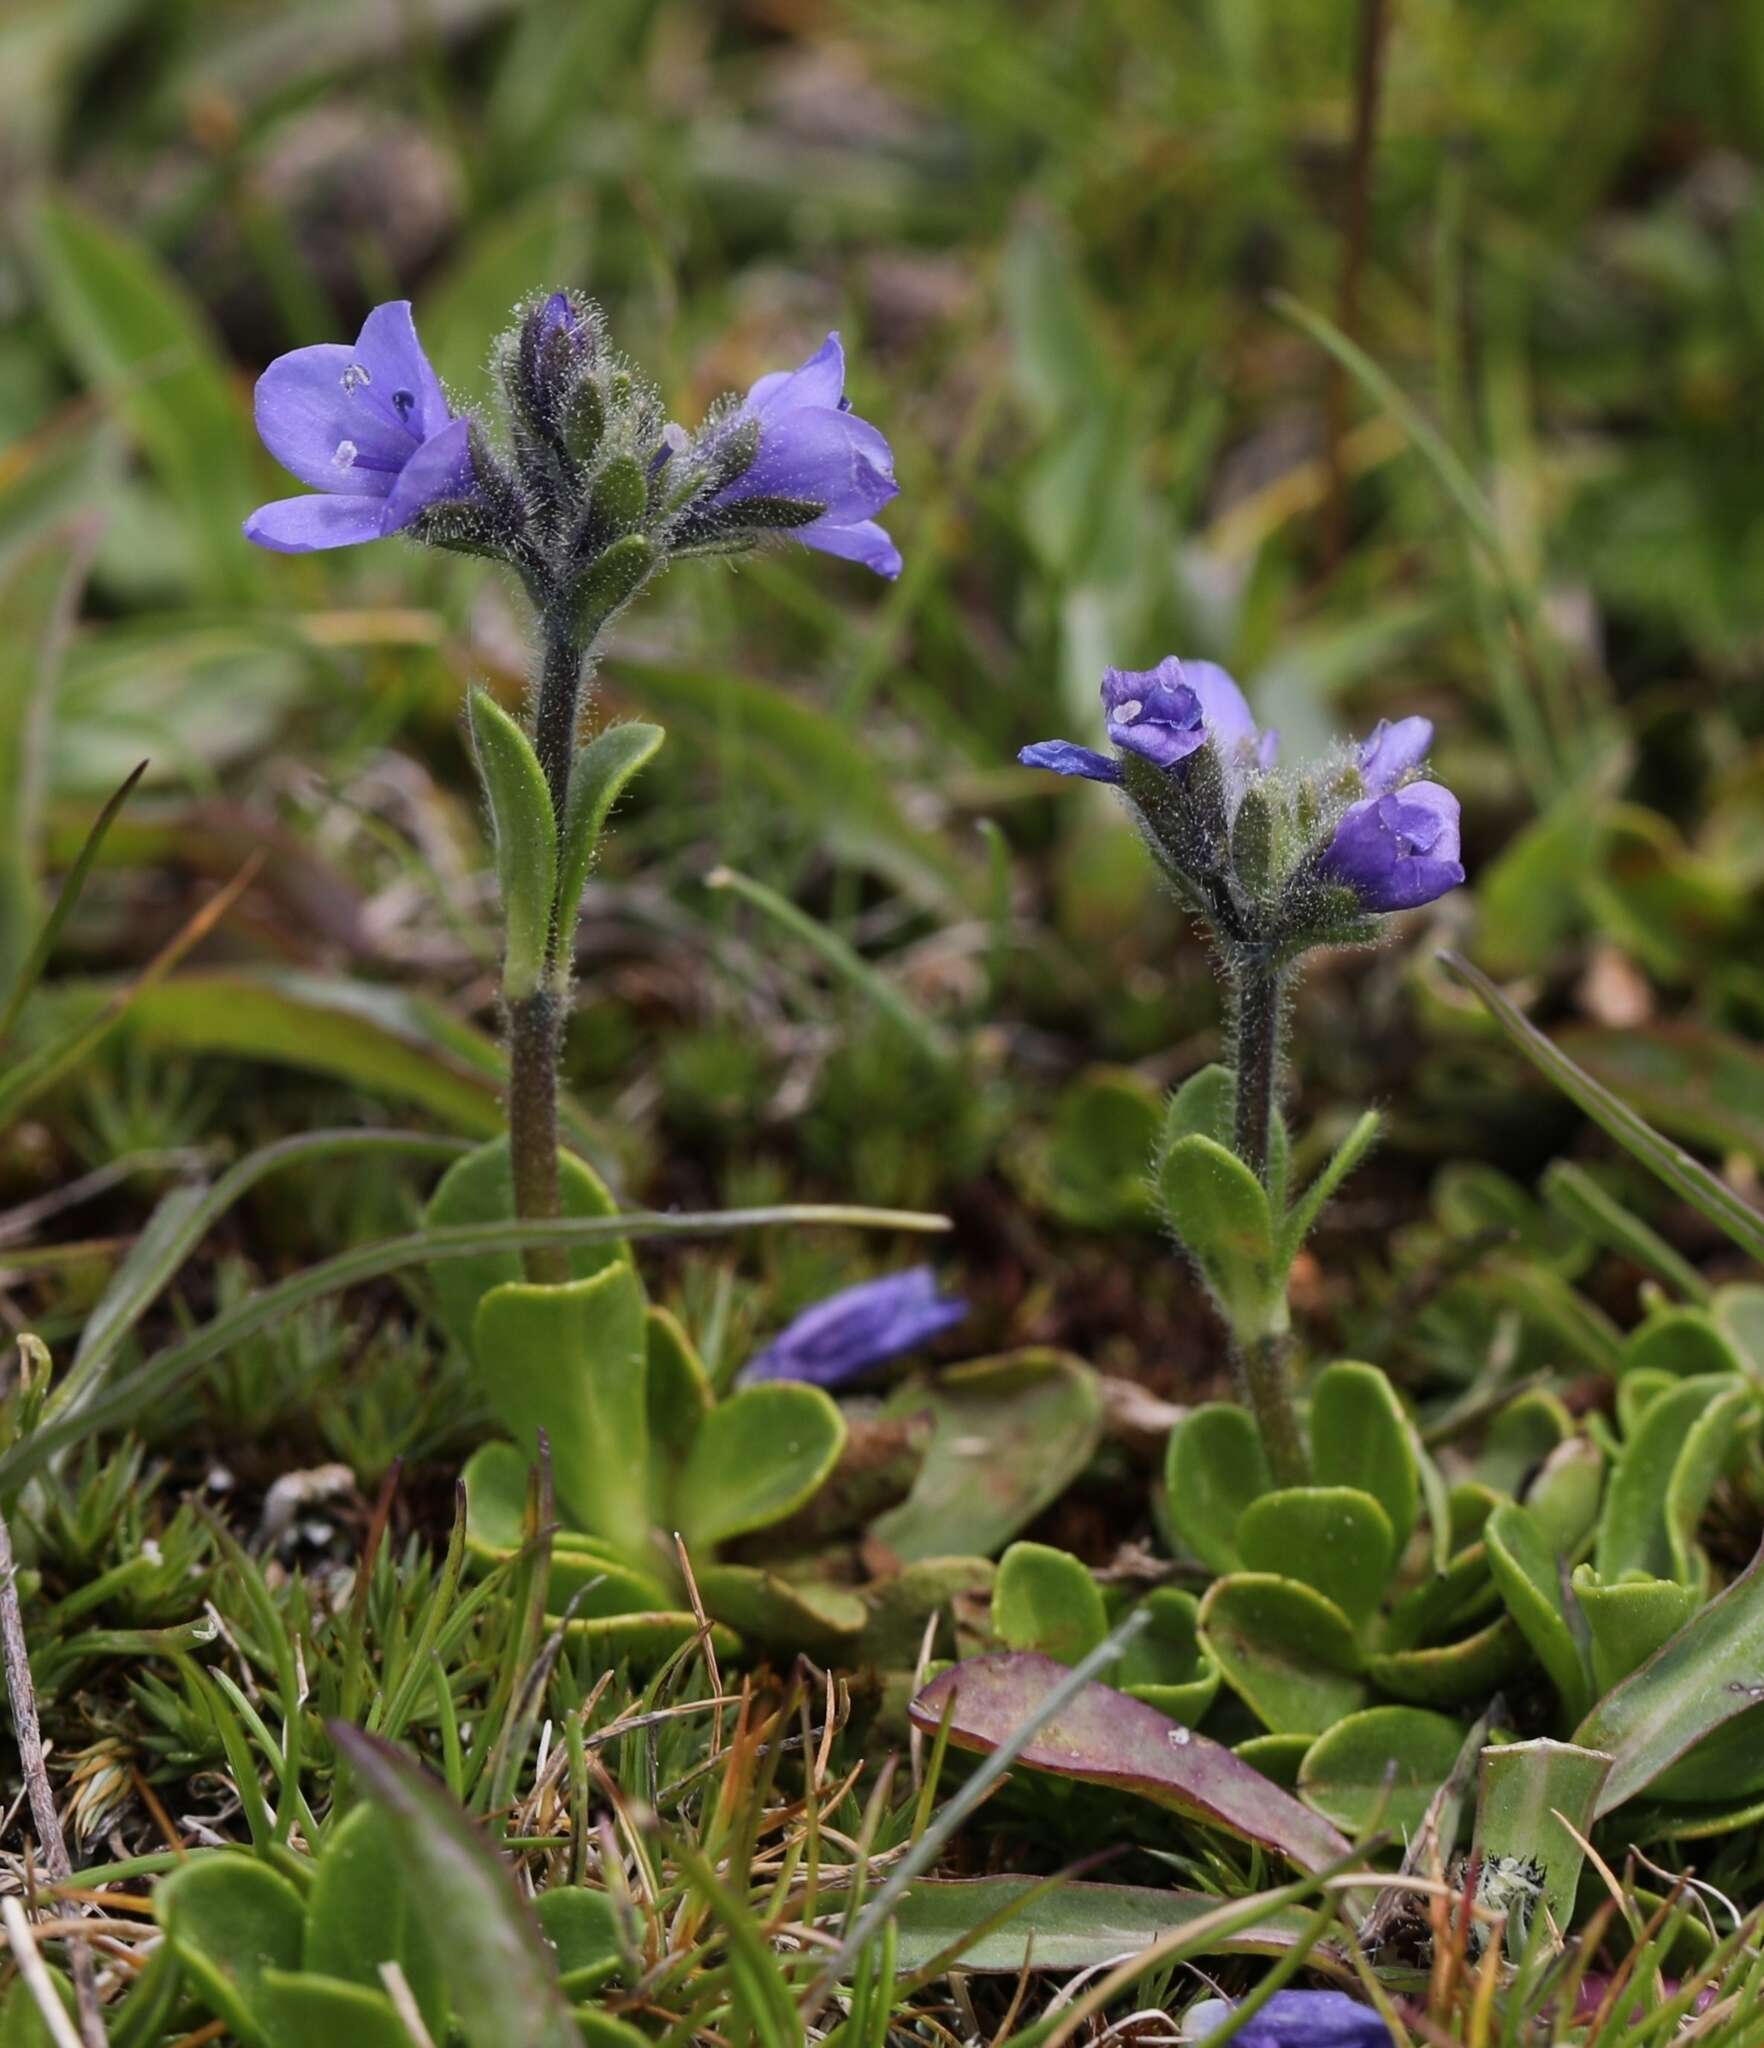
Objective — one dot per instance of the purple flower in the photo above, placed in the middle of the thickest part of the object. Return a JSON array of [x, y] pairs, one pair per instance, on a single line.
[[1392, 751], [813, 449], [1163, 714], [861, 1326], [1295, 2019], [1397, 850], [368, 427]]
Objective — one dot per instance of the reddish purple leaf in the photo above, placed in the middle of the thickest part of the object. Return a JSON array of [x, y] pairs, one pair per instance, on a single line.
[[1105, 1738]]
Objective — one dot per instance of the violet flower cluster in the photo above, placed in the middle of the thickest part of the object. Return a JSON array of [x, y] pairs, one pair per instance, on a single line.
[[370, 430], [1270, 860], [842, 1338]]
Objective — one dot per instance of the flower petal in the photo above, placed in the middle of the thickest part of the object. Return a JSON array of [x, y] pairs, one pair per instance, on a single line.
[[1392, 750], [830, 458], [306, 415], [844, 1336], [1066, 757], [301, 526], [1229, 719], [388, 349], [441, 468], [861, 541], [819, 381]]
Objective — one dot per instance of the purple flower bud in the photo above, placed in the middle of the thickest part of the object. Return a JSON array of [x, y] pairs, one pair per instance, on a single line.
[[814, 450], [1295, 2019], [558, 315], [1392, 751], [842, 1337], [368, 428], [1397, 850], [1163, 714]]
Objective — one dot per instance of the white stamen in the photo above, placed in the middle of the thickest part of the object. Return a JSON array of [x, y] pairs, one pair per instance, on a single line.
[[354, 378], [345, 455], [1126, 713]]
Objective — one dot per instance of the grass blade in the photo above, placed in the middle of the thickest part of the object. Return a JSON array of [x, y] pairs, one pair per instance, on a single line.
[[1686, 1176]]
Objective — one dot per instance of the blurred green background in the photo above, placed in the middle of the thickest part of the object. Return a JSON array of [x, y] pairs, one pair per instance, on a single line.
[[1093, 263]]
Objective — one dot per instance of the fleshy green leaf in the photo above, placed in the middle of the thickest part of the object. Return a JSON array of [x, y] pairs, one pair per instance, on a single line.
[[1535, 1799], [1288, 1653], [757, 1456], [1335, 1539], [1382, 1765], [1167, 1665], [480, 1189], [1214, 1467], [501, 1975], [1104, 1738], [1044, 1599], [302, 2009], [1668, 1469], [1361, 1437], [1629, 1621], [599, 776], [1529, 1575], [1451, 1674], [526, 840], [229, 1919], [582, 1926], [363, 1911], [1012, 1433], [569, 1361], [1701, 1678]]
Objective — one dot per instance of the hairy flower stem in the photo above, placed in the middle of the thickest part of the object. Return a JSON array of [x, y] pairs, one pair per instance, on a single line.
[[1258, 1065], [1267, 1386], [535, 1023], [534, 1039], [1261, 1358]]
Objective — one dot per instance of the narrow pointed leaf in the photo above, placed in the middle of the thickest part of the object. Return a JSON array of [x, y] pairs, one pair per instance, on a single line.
[[599, 775], [526, 840]]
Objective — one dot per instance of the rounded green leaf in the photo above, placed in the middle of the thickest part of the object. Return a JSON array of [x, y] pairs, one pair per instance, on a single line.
[[582, 1926], [1452, 1674], [679, 1398], [1279, 1758], [795, 1616], [1362, 1437], [1167, 1666], [1382, 1764], [229, 1919], [1214, 1467], [757, 1456], [1044, 1599], [1099, 1153], [480, 1189], [1011, 1434], [1288, 1653], [569, 1361], [526, 840], [1529, 1575], [1684, 1342], [1563, 1498], [1219, 1210], [1629, 1621], [1334, 1538], [1668, 1469], [363, 1911], [304, 2010]]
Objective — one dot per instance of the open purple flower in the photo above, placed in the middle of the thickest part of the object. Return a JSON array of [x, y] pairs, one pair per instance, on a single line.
[[1398, 850], [368, 428], [860, 1327], [1295, 2019], [1163, 714], [1392, 750], [814, 450]]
